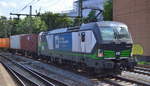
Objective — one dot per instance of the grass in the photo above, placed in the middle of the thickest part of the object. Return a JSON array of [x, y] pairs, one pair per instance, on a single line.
[[143, 63]]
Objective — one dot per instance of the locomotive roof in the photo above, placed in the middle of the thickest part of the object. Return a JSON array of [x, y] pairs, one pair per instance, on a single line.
[[111, 23], [61, 30], [89, 26], [101, 24]]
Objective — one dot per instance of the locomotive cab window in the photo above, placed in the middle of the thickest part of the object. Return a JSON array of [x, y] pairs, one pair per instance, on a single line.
[[123, 33], [114, 33], [107, 33]]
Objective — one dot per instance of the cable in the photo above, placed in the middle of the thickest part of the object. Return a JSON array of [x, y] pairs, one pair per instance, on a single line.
[[27, 5], [52, 4], [35, 2]]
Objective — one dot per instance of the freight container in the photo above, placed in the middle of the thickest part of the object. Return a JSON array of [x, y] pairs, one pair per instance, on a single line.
[[15, 41], [29, 43], [4, 43]]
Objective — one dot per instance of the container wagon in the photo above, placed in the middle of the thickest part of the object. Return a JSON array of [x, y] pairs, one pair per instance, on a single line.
[[4, 43], [29, 44], [15, 43]]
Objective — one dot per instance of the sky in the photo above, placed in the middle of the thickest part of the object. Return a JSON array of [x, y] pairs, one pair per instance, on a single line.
[[16, 6]]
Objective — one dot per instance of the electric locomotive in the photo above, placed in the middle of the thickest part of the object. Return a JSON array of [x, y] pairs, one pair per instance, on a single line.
[[103, 47]]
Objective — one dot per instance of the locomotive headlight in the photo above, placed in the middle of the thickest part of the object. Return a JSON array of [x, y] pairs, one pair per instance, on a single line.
[[131, 54], [100, 53]]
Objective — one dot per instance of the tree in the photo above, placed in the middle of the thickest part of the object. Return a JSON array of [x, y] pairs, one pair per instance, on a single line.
[[38, 24], [5, 27], [108, 10], [77, 21], [14, 22], [91, 17], [54, 21], [23, 27]]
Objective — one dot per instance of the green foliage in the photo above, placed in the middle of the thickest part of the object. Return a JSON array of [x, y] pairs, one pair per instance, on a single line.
[[36, 26], [5, 27], [54, 21], [91, 17], [3, 18], [108, 10], [144, 63], [77, 21], [22, 26]]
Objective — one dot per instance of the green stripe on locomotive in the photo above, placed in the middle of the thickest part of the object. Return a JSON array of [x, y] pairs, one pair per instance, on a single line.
[[111, 54], [107, 53]]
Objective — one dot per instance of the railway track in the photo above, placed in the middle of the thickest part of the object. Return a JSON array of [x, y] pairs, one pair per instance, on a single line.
[[51, 72], [26, 76], [143, 66], [142, 70], [123, 81], [21, 81], [115, 80]]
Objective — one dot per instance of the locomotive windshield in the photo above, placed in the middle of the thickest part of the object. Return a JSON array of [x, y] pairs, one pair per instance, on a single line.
[[107, 33], [114, 33], [123, 33]]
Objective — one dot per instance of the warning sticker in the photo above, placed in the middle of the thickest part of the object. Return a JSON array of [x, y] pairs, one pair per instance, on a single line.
[[137, 49]]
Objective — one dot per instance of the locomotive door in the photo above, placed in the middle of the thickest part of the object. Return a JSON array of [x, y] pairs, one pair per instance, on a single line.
[[87, 41], [83, 41]]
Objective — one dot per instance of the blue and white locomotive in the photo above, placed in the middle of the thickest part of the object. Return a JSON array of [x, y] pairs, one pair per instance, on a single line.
[[104, 47]]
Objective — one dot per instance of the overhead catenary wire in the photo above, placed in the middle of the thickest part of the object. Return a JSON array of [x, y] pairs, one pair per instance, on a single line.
[[30, 3], [52, 4], [35, 2]]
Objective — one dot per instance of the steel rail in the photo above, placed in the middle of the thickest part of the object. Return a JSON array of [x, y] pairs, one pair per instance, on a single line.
[[111, 82], [25, 81], [35, 76], [141, 72], [141, 68], [44, 76], [58, 83], [15, 77], [132, 81]]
